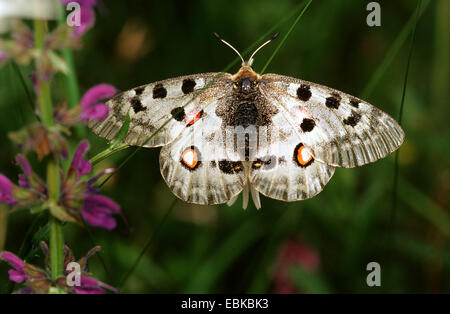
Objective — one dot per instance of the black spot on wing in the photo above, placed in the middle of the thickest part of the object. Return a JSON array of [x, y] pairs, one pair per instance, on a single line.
[[281, 160], [267, 163], [332, 102], [354, 103], [159, 91], [139, 90], [188, 86], [137, 105], [307, 125], [230, 167], [304, 92], [178, 113], [353, 119]]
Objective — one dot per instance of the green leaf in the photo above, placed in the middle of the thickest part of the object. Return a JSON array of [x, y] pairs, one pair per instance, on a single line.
[[122, 133], [58, 63], [59, 212]]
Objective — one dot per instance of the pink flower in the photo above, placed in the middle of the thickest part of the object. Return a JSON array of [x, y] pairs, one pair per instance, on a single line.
[[292, 253], [23, 177], [30, 190], [85, 3], [79, 197], [3, 56], [79, 163], [89, 285], [34, 80], [17, 274], [6, 195], [92, 109], [29, 180], [98, 209], [39, 281], [87, 16]]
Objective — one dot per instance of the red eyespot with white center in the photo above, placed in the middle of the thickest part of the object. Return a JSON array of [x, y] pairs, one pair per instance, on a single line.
[[190, 158], [303, 155]]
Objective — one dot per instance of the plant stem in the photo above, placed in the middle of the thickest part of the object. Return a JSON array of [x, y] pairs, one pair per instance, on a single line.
[[3, 225], [53, 175], [108, 152], [71, 83]]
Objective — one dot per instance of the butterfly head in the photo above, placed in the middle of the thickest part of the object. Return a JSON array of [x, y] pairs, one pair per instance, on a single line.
[[246, 80]]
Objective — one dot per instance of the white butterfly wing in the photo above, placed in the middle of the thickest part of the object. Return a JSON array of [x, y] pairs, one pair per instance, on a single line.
[[341, 130], [152, 106], [285, 168], [197, 167]]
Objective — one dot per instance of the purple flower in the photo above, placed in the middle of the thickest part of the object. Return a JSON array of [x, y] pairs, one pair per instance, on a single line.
[[79, 163], [87, 16], [92, 109], [34, 80], [79, 196], [89, 285], [98, 209], [23, 177], [3, 56], [38, 280], [85, 3], [17, 274], [28, 179], [6, 195]]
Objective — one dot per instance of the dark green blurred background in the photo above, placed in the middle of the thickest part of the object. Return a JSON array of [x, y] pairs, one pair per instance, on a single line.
[[225, 249]]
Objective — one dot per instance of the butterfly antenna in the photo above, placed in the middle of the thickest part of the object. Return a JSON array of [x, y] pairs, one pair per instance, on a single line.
[[250, 61], [235, 50]]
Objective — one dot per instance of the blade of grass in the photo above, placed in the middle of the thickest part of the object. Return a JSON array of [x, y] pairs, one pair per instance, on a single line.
[[400, 116], [93, 243], [116, 144], [147, 245], [25, 87], [25, 246], [392, 52], [285, 36], [425, 207]]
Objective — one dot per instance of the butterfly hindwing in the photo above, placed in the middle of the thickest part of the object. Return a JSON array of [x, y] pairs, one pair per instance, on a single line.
[[285, 168], [170, 105], [341, 130], [197, 167]]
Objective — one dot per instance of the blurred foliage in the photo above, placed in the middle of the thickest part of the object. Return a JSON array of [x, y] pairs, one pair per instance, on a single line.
[[225, 249]]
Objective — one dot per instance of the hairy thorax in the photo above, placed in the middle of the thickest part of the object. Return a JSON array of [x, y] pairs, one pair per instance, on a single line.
[[246, 105]]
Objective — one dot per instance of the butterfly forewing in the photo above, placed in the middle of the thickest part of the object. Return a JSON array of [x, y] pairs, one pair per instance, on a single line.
[[341, 130], [170, 105]]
